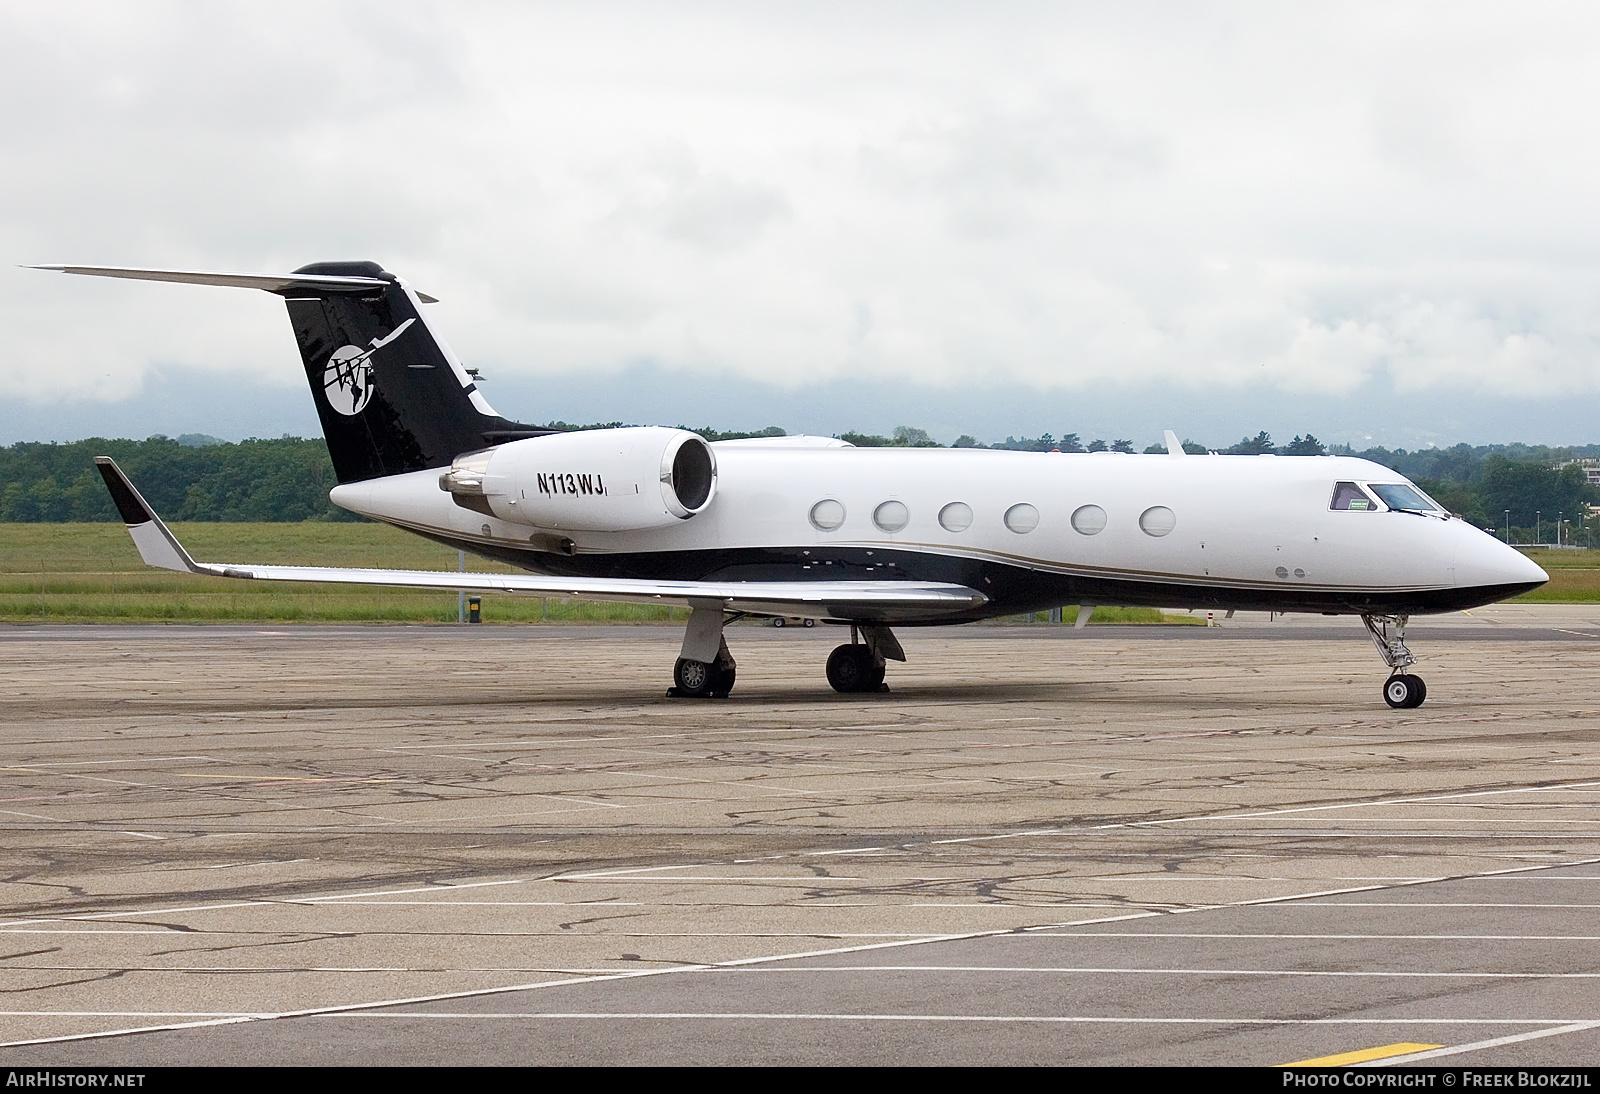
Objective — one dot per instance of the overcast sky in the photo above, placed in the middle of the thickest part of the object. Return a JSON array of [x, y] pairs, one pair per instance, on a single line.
[[1358, 220]]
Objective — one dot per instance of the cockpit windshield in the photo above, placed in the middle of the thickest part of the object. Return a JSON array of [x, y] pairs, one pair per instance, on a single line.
[[1347, 496], [1398, 495]]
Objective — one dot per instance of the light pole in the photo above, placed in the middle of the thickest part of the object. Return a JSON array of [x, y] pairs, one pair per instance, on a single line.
[[1538, 526], [1508, 527]]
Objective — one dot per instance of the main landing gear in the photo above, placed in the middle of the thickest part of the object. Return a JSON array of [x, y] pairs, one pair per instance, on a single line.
[[1402, 690], [706, 670], [859, 666]]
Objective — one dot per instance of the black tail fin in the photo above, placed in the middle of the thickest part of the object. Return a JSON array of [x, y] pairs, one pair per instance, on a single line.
[[392, 397]]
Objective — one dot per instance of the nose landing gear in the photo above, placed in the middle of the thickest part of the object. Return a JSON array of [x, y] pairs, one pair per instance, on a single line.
[[1402, 690]]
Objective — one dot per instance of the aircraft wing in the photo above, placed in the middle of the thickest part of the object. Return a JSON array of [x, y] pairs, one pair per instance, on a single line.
[[856, 600]]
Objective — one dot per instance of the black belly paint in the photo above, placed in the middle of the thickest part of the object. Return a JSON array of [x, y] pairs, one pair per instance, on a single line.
[[1011, 589]]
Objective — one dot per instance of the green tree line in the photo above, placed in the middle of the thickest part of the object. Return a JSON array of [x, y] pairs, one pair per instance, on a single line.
[[200, 478], [282, 480]]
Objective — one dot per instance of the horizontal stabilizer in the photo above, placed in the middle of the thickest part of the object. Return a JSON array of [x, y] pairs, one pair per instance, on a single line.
[[856, 600], [282, 284]]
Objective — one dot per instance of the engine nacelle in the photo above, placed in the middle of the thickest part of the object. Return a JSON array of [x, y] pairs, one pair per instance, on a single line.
[[594, 480]]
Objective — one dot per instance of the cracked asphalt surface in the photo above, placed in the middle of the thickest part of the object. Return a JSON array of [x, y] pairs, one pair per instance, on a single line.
[[504, 845]]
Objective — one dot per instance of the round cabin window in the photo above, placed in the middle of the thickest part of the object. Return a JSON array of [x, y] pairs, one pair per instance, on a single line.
[[827, 515], [1090, 520], [956, 517], [1158, 520], [1022, 518], [891, 516]]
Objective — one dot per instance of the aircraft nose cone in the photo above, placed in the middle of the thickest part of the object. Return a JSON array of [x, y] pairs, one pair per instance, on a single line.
[[1483, 561]]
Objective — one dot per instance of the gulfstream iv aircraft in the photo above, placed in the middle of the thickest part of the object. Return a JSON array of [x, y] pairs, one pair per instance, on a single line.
[[875, 538]]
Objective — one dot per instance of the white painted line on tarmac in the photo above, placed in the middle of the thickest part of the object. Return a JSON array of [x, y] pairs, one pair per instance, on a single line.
[[1564, 821], [1058, 932], [69, 930], [628, 873], [1048, 1019], [1496, 1042], [481, 992], [122, 1014], [92, 763], [313, 901], [1051, 930], [1127, 970], [1431, 904], [808, 880], [491, 903], [377, 819], [846, 851], [1347, 805]]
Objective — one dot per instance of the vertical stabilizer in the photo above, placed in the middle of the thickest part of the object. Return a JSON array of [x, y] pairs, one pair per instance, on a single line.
[[392, 397]]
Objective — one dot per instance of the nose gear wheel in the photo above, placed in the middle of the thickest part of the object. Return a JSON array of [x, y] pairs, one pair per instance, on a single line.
[[1402, 690]]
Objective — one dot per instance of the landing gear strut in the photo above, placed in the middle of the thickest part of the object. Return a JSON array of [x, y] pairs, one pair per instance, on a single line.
[[859, 666], [705, 668], [1402, 690]]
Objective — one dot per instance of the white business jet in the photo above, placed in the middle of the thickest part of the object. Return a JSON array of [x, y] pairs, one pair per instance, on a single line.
[[810, 527]]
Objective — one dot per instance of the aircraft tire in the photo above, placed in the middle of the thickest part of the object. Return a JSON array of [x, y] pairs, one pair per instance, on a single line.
[[851, 669], [724, 681], [1404, 691], [695, 679]]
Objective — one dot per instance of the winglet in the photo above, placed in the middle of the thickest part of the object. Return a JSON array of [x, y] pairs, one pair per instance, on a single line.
[[1173, 447], [157, 545]]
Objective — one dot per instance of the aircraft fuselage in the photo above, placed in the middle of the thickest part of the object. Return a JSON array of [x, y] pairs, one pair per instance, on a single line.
[[1029, 530]]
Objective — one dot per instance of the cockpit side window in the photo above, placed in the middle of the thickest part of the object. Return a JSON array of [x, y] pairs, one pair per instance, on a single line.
[[1397, 495], [1349, 496]]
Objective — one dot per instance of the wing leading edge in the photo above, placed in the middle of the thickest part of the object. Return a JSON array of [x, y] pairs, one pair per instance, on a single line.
[[855, 600]]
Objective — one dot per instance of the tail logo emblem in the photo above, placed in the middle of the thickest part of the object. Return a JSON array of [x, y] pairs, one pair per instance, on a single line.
[[347, 379]]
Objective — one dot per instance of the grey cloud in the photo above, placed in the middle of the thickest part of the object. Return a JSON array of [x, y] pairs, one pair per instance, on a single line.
[[670, 193], [1034, 197]]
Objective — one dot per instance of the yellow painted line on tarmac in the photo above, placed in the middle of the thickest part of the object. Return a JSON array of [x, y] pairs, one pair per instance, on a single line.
[[1361, 1056]]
